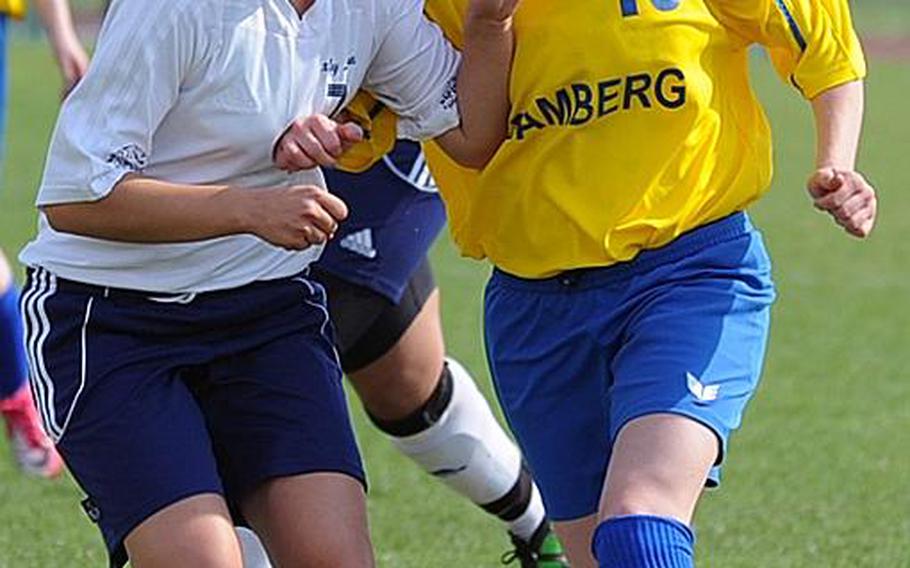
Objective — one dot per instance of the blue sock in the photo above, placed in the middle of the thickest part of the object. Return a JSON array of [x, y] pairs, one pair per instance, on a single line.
[[13, 365], [642, 541]]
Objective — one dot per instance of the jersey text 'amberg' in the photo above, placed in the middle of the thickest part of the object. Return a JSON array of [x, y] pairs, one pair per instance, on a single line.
[[639, 120]]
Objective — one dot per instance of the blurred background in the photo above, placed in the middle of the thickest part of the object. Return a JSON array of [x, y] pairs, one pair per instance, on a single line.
[[819, 476]]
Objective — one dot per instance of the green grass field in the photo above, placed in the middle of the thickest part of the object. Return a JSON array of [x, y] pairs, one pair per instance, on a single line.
[[817, 478]]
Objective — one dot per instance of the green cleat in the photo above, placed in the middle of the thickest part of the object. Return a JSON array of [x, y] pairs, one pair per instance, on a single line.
[[543, 550]]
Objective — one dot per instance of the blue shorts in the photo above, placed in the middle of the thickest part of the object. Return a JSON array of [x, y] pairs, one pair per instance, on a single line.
[[679, 330], [395, 215], [155, 399]]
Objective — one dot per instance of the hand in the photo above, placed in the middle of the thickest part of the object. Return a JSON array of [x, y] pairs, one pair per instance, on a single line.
[[73, 63], [493, 10], [847, 197], [315, 141], [295, 217]]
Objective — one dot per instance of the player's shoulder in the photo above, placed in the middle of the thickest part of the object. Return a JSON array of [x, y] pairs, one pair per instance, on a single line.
[[170, 12], [384, 10]]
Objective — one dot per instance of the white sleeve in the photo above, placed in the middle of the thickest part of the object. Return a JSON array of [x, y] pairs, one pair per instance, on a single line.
[[106, 125], [414, 73]]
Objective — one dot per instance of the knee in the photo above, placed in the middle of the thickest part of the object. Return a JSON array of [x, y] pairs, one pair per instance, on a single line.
[[192, 550], [6, 275], [397, 388], [210, 557], [642, 501], [343, 551]]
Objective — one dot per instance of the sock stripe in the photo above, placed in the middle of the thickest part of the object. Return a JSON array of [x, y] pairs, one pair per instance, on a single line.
[[511, 505]]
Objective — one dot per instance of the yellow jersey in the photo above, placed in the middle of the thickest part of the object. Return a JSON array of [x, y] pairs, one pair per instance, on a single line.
[[632, 122], [13, 8]]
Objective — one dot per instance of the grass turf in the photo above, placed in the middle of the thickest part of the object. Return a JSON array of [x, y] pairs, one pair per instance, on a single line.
[[818, 476]]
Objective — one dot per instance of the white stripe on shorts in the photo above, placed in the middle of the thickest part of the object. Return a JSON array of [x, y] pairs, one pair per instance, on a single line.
[[82, 367], [36, 311]]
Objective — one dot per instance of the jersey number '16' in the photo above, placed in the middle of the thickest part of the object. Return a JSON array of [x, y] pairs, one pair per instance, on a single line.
[[630, 7]]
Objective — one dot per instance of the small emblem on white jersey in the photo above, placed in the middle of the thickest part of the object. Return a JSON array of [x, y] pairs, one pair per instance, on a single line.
[[704, 393], [360, 243], [337, 85]]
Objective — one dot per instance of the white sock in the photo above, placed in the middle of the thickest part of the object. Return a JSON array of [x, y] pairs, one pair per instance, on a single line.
[[469, 451], [526, 525], [254, 554]]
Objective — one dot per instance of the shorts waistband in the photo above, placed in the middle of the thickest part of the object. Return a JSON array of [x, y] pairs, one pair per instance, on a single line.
[[715, 232], [84, 288]]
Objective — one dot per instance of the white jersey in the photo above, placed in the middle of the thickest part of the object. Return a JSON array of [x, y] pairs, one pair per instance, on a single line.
[[198, 91]]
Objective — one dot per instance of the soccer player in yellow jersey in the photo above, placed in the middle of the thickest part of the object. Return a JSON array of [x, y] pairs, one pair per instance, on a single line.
[[627, 315]]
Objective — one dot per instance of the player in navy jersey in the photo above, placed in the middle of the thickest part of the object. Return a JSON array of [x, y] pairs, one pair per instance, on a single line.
[[385, 307]]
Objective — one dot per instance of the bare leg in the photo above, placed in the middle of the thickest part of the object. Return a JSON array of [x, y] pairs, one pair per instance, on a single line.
[[576, 538], [6, 273], [193, 533], [435, 415], [658, 467], [316, 520], [401, 381]]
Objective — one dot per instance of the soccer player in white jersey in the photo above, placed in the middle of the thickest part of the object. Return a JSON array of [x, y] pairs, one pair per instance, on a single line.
[[182, 359]]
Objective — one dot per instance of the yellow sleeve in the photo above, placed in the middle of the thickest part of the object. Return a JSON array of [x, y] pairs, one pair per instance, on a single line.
[[379, 123], [812, 42], [380, 128], [13, 8], [449, 15]]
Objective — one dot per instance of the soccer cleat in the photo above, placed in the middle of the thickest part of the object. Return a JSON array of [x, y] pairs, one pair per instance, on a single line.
[[34, 452], [543, 550]]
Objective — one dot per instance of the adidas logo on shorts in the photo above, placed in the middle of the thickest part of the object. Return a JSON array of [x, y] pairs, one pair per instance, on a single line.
[[360, 243]]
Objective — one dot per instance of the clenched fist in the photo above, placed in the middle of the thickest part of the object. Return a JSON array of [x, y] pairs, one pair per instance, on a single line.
[[847, 197], [313, 141], [295, 217]]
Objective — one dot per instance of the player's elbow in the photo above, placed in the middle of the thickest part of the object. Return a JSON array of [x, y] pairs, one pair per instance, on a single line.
[[62, 218], [475, 158], [470, 150], [75, 218]]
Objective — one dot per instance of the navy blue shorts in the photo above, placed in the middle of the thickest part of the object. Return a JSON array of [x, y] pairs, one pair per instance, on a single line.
[[155, 399], [679, 330], [395, 215]]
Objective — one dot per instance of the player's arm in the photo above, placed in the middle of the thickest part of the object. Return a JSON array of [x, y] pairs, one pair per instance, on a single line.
[[68, 50], [94, 182], [836, 187], [483, 84], [460, 100], [814, 47], [146, 210]]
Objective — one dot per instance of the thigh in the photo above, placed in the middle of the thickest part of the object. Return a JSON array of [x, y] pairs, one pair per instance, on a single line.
[[126, 425], [313, 520], [695, 343], [550, 373], [658, 466], [354, 310], [276, 408], [370, 326], [198, 532]]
